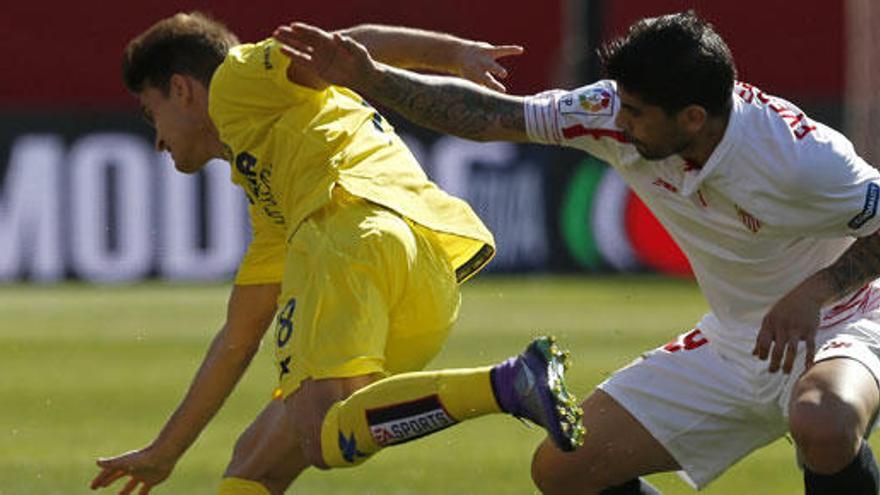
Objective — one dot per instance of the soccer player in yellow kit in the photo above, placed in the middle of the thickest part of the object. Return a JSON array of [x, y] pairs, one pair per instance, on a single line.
[[357, 250]]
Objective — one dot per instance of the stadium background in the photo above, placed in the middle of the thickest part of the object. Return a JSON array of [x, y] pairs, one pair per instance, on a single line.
[[82, 195], [89, 370]]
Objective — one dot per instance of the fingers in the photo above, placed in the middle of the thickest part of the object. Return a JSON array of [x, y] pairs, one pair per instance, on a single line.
[[507, 51], [776, 354], [782, 349], [309, 34], [129, 487], [790, 353], [296, 55], [106, 477], [285, 35], [810, 355], [497, 70], [492, 83], [763, 343]]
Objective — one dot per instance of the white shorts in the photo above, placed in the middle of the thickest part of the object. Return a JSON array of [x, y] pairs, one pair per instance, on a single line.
[[710, 409]]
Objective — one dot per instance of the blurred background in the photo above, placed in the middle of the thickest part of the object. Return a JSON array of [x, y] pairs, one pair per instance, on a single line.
[[88, 368], [84, 196]]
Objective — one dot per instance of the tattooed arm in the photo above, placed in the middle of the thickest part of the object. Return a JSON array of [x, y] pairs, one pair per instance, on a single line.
[[445, 104], [449, 105], [795, 317], [857, 266]]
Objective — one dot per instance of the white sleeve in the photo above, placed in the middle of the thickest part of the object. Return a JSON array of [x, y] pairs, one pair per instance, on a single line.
[[847, 201], [835, 192], [582, 118]]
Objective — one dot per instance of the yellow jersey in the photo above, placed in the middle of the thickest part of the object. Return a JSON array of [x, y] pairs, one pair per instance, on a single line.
[[290, 145]]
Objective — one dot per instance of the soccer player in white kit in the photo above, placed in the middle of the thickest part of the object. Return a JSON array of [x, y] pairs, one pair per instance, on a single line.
[[777, 215]]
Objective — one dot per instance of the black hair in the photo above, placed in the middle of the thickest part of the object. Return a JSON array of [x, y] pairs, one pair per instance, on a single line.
[[673, 61]]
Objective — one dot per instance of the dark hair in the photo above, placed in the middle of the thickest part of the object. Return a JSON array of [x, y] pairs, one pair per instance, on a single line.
[[190, 44], [673, 61]]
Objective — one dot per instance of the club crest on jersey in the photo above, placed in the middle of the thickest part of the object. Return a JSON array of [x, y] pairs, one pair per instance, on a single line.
[[749, 220], [869, 210], [835, 344], [407, 421], [592, 101]]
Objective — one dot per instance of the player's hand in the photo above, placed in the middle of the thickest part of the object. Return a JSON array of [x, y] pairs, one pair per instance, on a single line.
[[331, 57], [478, 62], [793, 319], [144, 468]]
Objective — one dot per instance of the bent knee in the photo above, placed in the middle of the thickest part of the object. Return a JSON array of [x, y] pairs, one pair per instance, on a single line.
[[545, 477], [308, 408], [826, 429], [556, 472], [310, 441]]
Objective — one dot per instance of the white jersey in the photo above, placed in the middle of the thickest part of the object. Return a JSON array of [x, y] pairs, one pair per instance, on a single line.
[[781, 197]]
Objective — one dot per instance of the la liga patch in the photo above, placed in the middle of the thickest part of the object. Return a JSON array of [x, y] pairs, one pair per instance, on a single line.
[[869, 210], [595, 100]]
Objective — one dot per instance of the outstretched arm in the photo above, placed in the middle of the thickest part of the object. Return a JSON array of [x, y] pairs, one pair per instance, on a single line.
[[251, 309], [410, 48], [449, 105], [795, 317]]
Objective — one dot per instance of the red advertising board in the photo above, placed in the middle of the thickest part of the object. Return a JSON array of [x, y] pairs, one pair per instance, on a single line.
[[69, 54]]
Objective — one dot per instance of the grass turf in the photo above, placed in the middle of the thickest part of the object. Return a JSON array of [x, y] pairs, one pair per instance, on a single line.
[[92, 371]]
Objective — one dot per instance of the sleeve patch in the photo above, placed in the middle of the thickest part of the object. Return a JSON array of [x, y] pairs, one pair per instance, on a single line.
[[869, 210], [591, 101]]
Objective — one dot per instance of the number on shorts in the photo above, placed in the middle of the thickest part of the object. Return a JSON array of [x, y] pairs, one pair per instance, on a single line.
[[285, 323]]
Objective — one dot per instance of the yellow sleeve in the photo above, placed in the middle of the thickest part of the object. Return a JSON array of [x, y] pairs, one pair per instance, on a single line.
[[263, 263], [252, 83]]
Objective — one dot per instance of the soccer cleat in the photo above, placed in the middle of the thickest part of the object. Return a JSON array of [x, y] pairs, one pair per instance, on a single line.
[[532, 386]]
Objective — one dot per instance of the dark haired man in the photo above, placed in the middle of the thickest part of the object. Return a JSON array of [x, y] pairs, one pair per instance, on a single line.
[[777, 215], [360, 251]]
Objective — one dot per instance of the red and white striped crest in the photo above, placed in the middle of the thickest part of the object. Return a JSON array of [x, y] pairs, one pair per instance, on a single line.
[[751, 223]]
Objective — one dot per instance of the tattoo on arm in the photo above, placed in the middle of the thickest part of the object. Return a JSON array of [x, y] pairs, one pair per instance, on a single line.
[[857, 266], [452, 106]]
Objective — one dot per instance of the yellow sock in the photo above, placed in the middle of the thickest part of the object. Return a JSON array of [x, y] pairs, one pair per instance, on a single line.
[[239, 486], [402, 408]]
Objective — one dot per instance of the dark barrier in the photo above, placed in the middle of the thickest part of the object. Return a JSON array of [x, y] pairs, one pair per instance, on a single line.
[[86, 196]]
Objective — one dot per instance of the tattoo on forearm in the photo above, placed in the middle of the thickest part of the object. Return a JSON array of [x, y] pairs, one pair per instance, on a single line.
[[451, 107], [857, 266]]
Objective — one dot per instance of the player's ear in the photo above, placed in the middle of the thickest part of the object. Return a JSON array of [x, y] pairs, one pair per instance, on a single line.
[[180, 88], [693, 117]]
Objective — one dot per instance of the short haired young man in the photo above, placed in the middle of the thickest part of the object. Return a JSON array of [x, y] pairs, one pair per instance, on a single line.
[[777, 215], [360, 252]]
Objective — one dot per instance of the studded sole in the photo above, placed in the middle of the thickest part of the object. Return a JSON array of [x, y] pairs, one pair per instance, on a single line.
[[567, 411]]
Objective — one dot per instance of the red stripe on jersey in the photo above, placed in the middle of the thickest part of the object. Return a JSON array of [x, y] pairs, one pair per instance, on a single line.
[[579, 130], [702, 199], [690, 165], [857, 299], [863, 301]]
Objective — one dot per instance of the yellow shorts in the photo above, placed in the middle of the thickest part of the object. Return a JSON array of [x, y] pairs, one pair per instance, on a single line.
[[364, 291]]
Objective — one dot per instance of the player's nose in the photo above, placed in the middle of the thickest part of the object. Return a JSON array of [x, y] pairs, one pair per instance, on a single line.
[[160, 144]]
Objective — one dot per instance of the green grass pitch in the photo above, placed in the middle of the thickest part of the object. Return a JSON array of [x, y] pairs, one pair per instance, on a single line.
[[88, 371]]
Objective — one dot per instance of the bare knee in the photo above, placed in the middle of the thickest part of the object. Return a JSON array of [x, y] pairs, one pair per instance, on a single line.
[[249, 448], [554, 472], [309, 420], [309, 406], [545, 477], [826, 429]]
